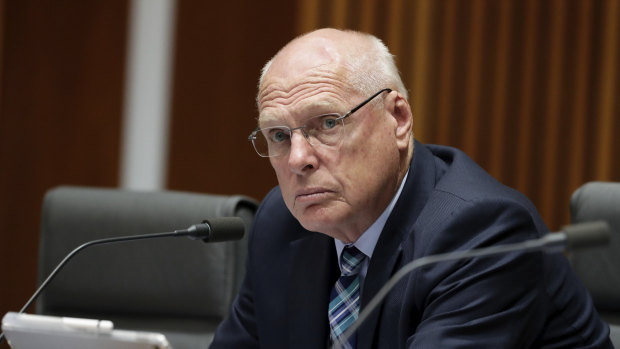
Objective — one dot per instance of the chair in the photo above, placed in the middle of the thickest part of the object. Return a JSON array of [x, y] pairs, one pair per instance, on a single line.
[[180, 287], [599, 269]]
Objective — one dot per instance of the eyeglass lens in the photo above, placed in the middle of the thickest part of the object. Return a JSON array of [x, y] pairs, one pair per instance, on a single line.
[[322, 129]]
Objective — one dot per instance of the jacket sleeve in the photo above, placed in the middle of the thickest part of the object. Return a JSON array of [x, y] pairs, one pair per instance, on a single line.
[[238, 330]]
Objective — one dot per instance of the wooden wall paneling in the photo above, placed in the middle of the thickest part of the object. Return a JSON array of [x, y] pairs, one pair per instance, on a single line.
[[499, 99], [525, 98], [61, 103], [407, 41], [446, 79], [520, 74], [4, 236], [579, 115], [338, 13], [419, 80], [615, 117], [2, 23], [395, 33], [566, 104], [220, 49], [472, 90], [307, 16], [614, 100], [608, 91], [594, 89], [367, 12], [552, 108]]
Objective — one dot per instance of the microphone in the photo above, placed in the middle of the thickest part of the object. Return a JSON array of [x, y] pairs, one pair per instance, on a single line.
[[215, 230], [210, 230], [575, 236]]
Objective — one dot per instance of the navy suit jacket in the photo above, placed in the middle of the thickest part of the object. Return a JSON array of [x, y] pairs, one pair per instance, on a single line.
[[448, 203]]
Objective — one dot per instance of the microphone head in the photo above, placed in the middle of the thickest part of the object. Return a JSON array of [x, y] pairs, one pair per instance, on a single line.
[[224, 229], [587, 234]]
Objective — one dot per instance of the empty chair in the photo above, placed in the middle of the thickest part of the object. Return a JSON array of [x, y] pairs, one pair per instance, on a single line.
[[177, 286], [599, 269]]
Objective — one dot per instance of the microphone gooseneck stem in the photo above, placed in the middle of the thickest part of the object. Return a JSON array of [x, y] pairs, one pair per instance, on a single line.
[[80, 248], [75, 251], [230, 228]]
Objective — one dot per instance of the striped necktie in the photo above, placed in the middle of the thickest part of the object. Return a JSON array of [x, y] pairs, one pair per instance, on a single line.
[[344, 302]]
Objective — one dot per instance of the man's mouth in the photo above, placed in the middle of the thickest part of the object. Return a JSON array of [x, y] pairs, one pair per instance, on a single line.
[[311, 195]]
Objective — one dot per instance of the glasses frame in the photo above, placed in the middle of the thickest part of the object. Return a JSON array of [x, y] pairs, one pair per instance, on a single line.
[[253, 135]]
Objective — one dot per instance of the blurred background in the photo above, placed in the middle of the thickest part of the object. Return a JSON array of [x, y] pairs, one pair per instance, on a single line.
[[159, 94]]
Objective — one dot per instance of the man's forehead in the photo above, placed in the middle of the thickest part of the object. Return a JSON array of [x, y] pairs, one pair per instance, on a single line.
[[312, 63], [298, 58]]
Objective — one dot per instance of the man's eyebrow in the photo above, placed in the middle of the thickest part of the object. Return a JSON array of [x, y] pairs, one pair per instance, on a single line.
[[322, 106], [317, 108], [269, 119]]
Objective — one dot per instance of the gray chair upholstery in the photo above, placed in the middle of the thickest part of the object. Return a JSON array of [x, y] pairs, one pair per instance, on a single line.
[[599, 269], [177, 286]]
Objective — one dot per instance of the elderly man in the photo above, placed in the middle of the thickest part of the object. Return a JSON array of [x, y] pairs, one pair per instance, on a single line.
[[358, 198]]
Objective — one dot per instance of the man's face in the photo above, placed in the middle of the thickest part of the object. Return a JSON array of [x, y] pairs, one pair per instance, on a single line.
[[338, 190]]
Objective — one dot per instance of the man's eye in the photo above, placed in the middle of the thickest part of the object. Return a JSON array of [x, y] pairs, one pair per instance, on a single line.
[[329, 123], [278, 135]]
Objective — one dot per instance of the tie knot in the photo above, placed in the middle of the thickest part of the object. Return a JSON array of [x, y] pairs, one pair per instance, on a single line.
[[351, 260]]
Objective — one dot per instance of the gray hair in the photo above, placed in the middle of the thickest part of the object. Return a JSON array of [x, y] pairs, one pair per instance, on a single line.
[[372, 67]]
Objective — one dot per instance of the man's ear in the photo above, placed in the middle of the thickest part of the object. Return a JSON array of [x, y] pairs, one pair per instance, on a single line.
[[400, 110]]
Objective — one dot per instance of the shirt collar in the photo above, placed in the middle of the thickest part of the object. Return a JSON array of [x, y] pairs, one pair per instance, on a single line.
[[368, 240]]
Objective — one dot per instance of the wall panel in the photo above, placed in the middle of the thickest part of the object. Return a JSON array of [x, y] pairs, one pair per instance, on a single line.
[[219, 53], [60, 112]]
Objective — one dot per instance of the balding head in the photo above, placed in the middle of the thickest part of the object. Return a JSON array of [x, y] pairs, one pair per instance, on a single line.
[[361, 60]]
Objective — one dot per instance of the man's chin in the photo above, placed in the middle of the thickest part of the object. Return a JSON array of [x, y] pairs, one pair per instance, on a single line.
[[319, 220], [316, 226]]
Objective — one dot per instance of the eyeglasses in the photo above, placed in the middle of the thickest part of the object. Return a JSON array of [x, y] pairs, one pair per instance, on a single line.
[[326, 129]]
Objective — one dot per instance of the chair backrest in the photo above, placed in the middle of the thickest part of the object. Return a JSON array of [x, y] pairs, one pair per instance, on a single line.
[[599, 269], [148, 284]]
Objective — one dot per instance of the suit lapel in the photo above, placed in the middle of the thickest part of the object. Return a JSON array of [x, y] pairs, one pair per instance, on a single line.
[[313, 270], [382, 265], [386, 258]]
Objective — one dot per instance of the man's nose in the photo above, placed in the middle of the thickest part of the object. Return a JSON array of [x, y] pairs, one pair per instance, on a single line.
[[302, 154]]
